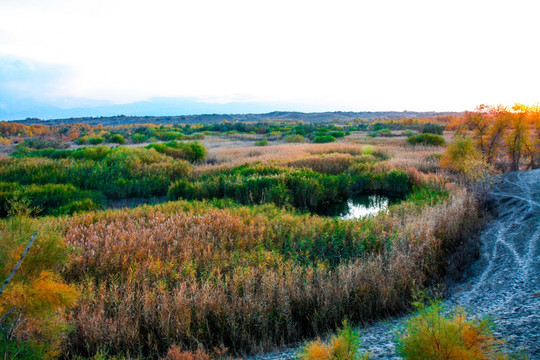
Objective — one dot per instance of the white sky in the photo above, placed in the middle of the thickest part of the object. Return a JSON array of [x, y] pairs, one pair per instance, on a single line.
[[341, 55]]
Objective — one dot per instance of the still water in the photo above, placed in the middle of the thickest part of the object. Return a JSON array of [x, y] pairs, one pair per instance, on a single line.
[[359, 206]]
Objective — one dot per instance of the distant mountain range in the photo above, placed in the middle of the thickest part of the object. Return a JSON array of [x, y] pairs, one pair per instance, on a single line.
[[174, 110], [215, 118], [17, 108]]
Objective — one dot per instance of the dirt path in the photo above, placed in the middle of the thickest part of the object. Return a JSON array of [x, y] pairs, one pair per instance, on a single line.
[[504, 283]]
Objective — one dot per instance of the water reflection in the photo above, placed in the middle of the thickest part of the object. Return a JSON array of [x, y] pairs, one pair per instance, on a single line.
[[359, 206]]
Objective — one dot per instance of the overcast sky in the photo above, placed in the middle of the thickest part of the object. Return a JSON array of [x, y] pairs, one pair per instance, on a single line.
[[304, 55]]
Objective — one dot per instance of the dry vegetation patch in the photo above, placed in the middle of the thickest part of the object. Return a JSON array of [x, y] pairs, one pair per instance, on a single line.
[[199, 273]]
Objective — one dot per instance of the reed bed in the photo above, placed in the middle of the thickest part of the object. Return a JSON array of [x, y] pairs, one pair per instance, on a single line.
[[395, 151], [204, 274]]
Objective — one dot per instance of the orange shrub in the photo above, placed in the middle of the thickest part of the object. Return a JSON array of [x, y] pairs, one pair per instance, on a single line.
[[433, 335], [343, 346], [176, 353]]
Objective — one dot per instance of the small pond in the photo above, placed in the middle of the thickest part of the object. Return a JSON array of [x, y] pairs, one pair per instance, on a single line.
[[359, 206]]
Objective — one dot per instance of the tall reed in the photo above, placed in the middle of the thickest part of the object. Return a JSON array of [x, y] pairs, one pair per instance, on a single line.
[[204, 274]]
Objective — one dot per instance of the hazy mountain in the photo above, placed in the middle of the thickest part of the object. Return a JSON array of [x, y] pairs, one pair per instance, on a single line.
[[213, 118], [13, 108]]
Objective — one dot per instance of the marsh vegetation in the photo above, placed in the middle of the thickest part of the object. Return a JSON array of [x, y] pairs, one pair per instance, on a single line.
[[253, 248]]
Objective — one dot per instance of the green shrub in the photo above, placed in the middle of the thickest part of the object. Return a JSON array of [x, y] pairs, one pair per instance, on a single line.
[[431, 128], [395, 182], [20, 349], [407, 133], [192, 151], [49, 199], [36, 143], [95, 140], [261, 143], [301, 188], [321, 139], [172, 135], [48, 152], [77, 206], [426, 139], [83, 140], [139, 138], [95, 153], [296, 138], [337, 134], [118, 173], [117, 139]]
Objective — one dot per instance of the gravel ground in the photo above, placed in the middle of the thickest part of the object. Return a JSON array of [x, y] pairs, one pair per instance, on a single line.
[[504, 283]]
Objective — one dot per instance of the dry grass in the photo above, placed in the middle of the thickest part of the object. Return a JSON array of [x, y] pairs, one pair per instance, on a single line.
[[193, 275], [402, 155], [201, 275], [334, 163]]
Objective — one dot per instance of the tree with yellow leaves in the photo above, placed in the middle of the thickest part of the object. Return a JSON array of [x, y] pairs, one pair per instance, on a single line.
[[518, 138], [505, 138], [33, 296]]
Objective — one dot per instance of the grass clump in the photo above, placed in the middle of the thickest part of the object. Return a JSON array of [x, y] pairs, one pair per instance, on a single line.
[[431, 128], [295, 138]]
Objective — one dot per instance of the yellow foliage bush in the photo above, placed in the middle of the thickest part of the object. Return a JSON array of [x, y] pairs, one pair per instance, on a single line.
[[343, 346], [36, 297], [463, 157], [316, 350], [176, 353], [457, 153], [434, 334]]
